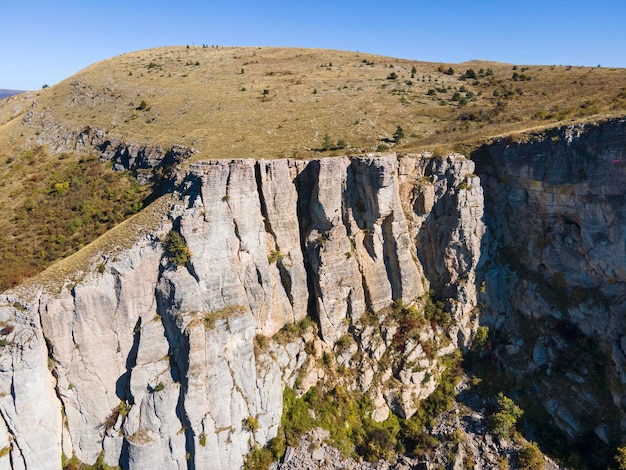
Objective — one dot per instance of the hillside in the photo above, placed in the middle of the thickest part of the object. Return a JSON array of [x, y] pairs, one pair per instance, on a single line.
[[251, 102], [268, 102]]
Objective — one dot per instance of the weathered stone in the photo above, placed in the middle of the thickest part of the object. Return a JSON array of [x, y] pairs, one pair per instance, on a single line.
[[152, 360]]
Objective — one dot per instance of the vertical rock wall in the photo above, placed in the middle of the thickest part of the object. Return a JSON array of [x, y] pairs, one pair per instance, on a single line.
[[555, 288], [152, 365]]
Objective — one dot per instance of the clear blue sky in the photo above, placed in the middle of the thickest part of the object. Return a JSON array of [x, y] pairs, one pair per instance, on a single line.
[[45, 42]]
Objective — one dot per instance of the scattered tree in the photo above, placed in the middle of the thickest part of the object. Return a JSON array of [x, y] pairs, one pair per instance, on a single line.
[[398, 135], [326, 144], [502, 421]]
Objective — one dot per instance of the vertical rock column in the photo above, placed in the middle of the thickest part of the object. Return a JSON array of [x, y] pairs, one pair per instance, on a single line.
[[335, 272], [279, 201], [30, 413]]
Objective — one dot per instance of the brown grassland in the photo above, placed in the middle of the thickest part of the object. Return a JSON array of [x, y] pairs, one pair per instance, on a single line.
[[234, 102]]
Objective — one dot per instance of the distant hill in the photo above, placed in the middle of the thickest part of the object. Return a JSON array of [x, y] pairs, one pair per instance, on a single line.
[[6, 93]]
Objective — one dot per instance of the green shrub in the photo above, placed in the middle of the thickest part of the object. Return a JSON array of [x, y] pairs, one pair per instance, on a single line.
[[502, 422], [274, 256], [434, 311], [530, 458], [251, 424], [177, 250], [481, 338]]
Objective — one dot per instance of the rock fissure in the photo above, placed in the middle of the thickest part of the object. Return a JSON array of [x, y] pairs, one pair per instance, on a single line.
[[196, 350]]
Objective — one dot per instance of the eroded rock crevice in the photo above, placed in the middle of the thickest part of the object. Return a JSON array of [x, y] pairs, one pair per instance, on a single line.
[[165, 366]]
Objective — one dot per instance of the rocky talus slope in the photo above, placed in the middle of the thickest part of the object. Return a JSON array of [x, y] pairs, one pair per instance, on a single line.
[[152, 365]]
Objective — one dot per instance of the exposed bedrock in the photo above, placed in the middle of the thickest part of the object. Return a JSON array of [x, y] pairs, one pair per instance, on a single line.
[[555, 286], [152, 365]]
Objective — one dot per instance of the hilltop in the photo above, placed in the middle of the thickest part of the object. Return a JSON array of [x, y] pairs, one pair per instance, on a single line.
[[252, 102]]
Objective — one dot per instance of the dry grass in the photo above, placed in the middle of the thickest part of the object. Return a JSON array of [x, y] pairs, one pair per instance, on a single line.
[[199, 97], [277, 102]]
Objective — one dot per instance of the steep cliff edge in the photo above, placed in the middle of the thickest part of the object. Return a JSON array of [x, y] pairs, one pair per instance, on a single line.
[[554, 285], [291, 273], [152, 365]]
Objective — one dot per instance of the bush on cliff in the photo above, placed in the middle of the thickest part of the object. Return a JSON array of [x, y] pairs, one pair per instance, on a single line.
[[503, 421], [177, 249]]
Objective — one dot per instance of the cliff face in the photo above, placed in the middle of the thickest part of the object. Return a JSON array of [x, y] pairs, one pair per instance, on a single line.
[[555, 287], [153, 365]]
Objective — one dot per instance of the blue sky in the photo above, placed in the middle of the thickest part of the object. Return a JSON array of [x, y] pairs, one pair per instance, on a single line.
[[45, 42]]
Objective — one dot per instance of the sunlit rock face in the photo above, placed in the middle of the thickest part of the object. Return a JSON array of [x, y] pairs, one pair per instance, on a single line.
[[146, 364]]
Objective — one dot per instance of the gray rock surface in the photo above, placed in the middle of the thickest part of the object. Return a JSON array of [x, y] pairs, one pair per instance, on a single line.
[[154, 365], [556, 212]]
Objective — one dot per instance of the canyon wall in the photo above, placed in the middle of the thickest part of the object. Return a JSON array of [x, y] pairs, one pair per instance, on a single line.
[[146, 364], [142, 363], [555, 281]]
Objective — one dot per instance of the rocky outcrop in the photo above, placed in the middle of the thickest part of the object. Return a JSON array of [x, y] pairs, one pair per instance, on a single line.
[[555, 285], [152, 365], [151, 164]]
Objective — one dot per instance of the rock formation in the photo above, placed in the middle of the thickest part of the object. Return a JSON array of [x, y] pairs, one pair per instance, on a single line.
[[153, 365], [554, 286], [127, 357]]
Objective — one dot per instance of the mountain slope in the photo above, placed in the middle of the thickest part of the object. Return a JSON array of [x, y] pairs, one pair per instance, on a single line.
[[149, 110]]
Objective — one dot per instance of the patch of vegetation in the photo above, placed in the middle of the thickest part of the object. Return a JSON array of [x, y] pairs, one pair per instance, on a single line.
[[210, 318], [291, 331], [120, 410], [250, 424], [347, 417], [66, 205], [530, 457], [620, 458], [177, 250], [502, 421], [74, 463], [274, 256]]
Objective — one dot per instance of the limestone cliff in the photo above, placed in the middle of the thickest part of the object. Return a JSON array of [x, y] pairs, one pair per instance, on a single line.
[[554, 285], [153, 365], [120, 354]]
